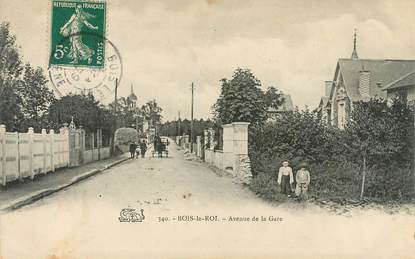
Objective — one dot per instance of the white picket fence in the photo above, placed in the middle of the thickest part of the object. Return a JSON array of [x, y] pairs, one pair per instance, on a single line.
[[25, 155]]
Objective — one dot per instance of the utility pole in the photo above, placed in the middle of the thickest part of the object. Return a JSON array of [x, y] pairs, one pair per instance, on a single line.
[[178, 129], [191, 122], [413, 110], [115, 117], [116, 104]]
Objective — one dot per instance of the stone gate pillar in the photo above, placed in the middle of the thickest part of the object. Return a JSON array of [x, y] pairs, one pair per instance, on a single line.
[[198, 145], [228, 161], [212, 139], [240, 138], [186, 142], [242, 164]]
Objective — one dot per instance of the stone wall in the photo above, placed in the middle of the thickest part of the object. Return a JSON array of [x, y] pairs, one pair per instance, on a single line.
[[234, 156]]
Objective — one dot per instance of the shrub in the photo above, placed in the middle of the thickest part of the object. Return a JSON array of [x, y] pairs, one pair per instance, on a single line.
[[265, 185], [390, 184], [332, 181], [378, 134]]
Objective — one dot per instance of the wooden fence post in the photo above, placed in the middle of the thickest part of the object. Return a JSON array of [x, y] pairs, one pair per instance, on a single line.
[[92, 145], [52, 150], [65, 132], [99, 142], [3, 153], [19, 170], [44, 149], [30, 133], [82, 145]]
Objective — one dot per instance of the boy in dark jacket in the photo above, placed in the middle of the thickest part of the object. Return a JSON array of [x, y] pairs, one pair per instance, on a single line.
[[143, 148]]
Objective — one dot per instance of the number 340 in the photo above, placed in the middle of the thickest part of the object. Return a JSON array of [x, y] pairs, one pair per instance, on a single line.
[[60, 51]]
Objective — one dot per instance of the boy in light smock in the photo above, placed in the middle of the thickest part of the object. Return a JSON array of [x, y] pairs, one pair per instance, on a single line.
[[303, 180]]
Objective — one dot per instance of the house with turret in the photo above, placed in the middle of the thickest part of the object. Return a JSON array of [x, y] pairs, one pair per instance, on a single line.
[[358, 79]]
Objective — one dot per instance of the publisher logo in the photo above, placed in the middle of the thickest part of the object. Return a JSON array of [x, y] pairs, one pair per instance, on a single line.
[[130, 215]]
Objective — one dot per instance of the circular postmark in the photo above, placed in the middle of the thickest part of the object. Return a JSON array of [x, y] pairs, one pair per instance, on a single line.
[[100, 82]]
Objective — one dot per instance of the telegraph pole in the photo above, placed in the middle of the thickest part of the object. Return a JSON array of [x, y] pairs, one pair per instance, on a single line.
[[191, 122], [115, 116], [413, 111], [116, 104], [178, 129]]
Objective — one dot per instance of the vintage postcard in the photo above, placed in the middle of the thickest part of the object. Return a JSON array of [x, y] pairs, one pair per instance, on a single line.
[[207, 129]]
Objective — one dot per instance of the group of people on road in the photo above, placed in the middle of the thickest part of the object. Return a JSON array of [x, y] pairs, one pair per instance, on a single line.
[[160, 146], [286, 179], [137, 149]]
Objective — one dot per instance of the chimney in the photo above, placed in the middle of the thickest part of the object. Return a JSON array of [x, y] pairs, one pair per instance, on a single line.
[[328, 85], [364, 83]]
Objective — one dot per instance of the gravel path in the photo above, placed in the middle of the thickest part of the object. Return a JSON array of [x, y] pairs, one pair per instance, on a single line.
[[175, 194]]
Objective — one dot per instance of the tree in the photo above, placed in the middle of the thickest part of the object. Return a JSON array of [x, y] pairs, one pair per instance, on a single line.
[[298, 136], [152, 112], [273, 98], [241, 99], [10, 71], [126, 112], [24, 98], [35, 97], [380, 135], [85, 111], [170, 128]]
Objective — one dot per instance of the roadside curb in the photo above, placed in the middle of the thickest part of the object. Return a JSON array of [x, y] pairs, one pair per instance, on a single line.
[[28, 199]]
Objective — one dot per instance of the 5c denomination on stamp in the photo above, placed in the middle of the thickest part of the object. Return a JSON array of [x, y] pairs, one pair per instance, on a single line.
[[98, 81]]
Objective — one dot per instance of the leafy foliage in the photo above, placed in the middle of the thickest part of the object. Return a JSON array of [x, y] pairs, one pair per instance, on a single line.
[[273, 98], [35, 97], [24, 95], [126, 112], [171, 128], [152, 112], [129, 114], [265, 185], [382, 133], [10, 72], [85, 110], [241, 99], [297, 136]]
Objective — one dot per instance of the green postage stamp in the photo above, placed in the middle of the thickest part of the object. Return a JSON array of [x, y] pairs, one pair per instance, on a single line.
[[78, 33]]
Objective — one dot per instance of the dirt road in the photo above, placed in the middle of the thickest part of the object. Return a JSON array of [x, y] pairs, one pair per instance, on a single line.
[[175, 195]]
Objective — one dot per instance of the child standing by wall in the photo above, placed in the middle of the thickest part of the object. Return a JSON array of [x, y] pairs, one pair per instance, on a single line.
[[285, 178]]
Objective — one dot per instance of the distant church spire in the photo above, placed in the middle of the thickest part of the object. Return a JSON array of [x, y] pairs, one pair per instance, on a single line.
[[132, 97], [354, 53]]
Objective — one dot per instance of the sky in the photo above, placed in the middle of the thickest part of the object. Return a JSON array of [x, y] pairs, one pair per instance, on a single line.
[[292, 45]]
